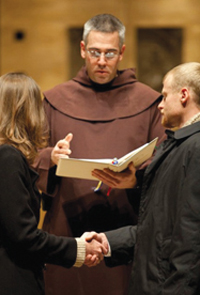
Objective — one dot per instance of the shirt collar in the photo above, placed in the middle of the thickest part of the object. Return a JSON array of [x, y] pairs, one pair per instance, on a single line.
[[194, 119], [184, 131]]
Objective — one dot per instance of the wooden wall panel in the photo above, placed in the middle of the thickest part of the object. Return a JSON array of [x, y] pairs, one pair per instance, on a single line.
[[44, 53]]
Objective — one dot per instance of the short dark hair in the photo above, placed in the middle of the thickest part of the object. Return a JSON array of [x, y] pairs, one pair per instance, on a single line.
[[106, 23]]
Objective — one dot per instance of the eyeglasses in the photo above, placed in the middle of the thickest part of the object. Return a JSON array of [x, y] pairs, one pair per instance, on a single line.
[[94, 53]]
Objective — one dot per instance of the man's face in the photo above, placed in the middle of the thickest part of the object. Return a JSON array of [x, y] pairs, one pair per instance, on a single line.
[[102, 69], [170, 106]]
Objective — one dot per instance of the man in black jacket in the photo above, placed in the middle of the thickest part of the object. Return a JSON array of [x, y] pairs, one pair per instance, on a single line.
[[165, 245]]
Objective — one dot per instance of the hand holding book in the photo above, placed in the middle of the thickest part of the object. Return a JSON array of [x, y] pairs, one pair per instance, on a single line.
[[82, 168], [123, 180]]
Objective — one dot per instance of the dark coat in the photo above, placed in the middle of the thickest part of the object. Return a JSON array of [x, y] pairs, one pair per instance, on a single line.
[[106, 121], [23, 248], [167, 244]]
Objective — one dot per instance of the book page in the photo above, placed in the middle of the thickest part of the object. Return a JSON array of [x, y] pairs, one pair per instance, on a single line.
[[82, 168]]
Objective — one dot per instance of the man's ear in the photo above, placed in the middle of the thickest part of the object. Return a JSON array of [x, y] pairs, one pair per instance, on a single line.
[[184, 95], [122, 52], [82, 46]]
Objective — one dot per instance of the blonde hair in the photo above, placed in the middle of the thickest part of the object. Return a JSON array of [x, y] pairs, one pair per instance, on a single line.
[[186, 75], [22, 118]]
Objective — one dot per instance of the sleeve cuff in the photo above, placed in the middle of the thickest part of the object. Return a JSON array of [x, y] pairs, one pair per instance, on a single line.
[[81, 248], [109, 251]]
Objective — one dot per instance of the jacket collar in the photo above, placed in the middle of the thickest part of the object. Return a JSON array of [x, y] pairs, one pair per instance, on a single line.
[[184, 132], [171, 142]]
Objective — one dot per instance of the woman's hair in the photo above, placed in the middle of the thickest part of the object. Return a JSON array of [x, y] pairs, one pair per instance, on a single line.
[[106, 23], [23, 122]]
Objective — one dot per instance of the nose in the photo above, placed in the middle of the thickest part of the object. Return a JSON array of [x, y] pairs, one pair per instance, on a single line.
[[160, 106], [102, 59]]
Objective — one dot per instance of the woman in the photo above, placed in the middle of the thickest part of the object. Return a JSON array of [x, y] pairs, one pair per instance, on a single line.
[[23, 247]]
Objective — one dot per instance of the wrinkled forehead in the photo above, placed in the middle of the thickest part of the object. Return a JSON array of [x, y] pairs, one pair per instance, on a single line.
[[103, 40]]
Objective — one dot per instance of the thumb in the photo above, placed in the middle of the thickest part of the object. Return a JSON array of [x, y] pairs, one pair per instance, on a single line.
[[68, 137], [88, 236], [132, 167]]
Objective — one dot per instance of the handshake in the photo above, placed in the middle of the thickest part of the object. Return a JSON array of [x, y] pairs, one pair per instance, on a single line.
[[96, 247]]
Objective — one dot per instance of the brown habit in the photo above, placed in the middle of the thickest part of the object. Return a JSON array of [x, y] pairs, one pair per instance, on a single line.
[[106, 121]]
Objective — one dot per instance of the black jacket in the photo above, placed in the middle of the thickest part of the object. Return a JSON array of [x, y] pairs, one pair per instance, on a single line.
[[23, 248], [167, 238]]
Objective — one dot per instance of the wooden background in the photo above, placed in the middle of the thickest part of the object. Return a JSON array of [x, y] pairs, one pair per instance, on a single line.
[[50, 53]]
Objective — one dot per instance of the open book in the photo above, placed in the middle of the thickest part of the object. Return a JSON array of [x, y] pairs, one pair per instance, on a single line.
[[82, 168]]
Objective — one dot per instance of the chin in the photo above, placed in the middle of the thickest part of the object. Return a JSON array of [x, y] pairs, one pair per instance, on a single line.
[[165, 123], [102, 81]]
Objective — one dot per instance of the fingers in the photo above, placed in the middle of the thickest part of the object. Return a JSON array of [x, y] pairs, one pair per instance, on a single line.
[[92, 260], [88, 236], [61, 149], [131, 167], [121, 180], [68, 137], [106, 176], [104, 242], [65, 143], [101, 238], [96, 247]]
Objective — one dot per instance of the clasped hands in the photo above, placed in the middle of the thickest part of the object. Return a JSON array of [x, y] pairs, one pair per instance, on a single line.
[[96, 247]]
